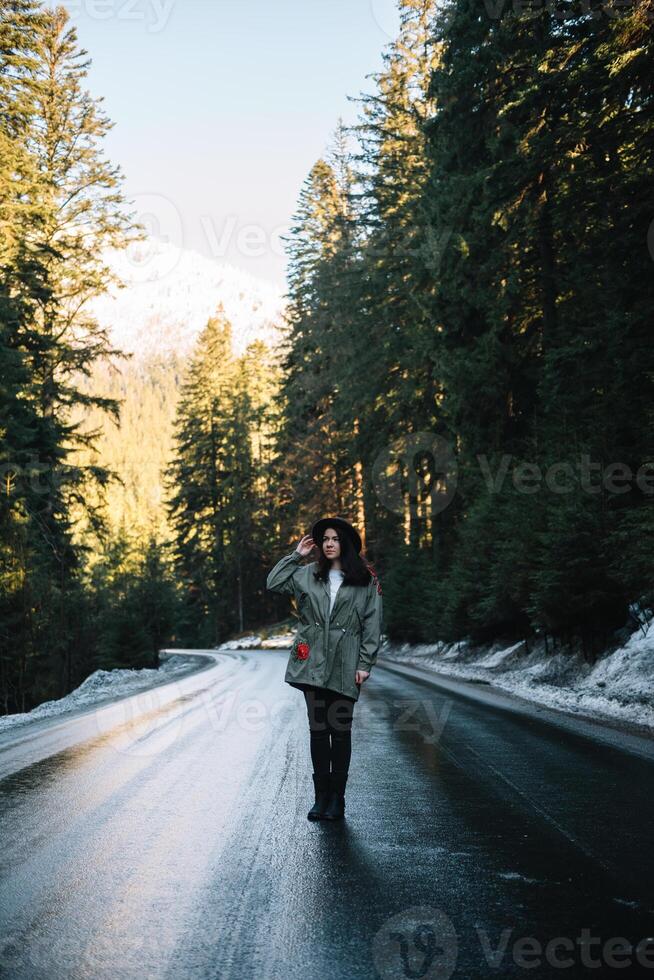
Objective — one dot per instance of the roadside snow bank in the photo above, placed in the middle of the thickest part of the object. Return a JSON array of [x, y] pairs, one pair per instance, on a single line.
[[100, 686], [280, 641], [619, 686]]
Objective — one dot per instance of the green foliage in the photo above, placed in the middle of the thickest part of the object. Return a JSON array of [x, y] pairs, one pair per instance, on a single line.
[[61, 206], [136, 605], [500, 295], [475, 267], [218, 487]]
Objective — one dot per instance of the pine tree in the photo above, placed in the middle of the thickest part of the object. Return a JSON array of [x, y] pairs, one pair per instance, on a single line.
[[395, 341], [532, 145], [64, 206], [196, 480], [317, 347]]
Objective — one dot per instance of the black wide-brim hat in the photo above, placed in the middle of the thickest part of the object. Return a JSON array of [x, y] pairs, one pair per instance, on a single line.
[[339, 524]]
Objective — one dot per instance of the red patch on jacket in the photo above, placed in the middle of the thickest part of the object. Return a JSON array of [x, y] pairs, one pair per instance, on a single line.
[[302, 651]]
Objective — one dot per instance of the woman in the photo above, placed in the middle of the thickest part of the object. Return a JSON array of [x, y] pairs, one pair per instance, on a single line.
[[340, 615]]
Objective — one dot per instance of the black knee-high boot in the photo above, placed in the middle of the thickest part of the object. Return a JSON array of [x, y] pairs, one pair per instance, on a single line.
[[335, 809], [321, 785], [320, 756]]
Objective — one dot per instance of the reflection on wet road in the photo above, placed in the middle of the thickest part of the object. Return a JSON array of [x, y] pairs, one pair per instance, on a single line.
[[170, 839]]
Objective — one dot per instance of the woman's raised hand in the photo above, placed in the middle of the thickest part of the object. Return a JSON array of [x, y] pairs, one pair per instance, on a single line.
[[306, 545]]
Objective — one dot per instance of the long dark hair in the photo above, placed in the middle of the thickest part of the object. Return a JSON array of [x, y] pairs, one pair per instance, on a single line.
[[357, 569]]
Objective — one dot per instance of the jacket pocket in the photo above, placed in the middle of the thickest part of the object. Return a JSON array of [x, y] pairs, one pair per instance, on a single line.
[[299, 667], [302, 635]]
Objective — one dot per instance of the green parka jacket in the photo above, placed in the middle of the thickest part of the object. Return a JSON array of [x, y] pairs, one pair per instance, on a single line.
[[339, 644]]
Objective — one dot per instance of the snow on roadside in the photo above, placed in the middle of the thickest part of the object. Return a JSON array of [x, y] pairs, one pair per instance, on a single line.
[[253, 641], [619, 686], [100, 686]]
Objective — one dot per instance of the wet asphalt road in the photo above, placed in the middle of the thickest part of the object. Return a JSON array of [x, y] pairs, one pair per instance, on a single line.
[[166, 837]]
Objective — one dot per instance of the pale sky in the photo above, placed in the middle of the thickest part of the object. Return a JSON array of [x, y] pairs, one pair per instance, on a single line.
[[221, 107]]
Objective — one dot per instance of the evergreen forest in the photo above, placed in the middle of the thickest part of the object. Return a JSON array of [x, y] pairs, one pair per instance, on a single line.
[[466, 374]]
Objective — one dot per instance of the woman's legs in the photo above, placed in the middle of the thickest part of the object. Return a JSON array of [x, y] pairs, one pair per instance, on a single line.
[[330, 717], [318, 729], [339, 720]]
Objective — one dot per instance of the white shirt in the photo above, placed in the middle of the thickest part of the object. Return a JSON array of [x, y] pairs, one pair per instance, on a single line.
[[336, 577]]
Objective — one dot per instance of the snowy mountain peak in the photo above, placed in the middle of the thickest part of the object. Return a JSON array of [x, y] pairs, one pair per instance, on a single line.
[[169, 295]]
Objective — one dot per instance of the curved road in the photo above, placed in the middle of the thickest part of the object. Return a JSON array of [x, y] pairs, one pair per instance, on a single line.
[[165, 836]]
